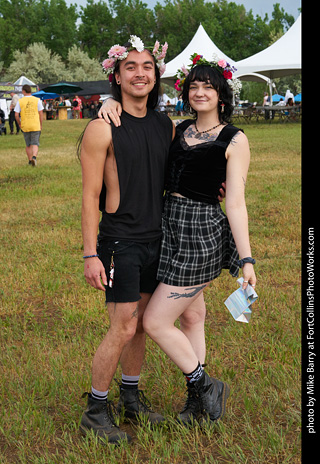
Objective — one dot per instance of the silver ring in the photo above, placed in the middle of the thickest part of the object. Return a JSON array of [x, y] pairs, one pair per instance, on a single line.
[[245, 281]]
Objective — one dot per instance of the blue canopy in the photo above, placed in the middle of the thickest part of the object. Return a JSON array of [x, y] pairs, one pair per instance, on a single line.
[[45, 95], [297, 98], [276, 97]]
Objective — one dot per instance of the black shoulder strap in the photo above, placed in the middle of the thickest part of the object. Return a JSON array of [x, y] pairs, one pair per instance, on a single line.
[[228, 132], [183, 125]]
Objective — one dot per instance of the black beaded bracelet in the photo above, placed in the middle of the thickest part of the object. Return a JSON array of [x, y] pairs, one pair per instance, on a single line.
[[90, 256], [243, 261]]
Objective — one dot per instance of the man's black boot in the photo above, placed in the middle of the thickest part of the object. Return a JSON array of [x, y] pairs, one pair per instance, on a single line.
[[213, 395], [135, 406], [99, 417], [192, 407]]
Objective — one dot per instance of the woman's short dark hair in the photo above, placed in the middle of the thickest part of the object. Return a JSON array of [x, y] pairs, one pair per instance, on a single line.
[[153, 95], [205, 73]]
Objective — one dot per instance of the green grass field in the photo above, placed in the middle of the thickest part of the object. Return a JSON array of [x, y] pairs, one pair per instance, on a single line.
[[51, 321]]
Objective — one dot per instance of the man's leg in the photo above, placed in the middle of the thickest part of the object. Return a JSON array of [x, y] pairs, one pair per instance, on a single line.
[[98, 416], [29, 152], [11, 120], [133, 353], [123, 323]]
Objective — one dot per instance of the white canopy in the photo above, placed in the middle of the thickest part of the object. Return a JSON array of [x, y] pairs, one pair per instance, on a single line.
[[24, 80], [202, 44], [282, 58]]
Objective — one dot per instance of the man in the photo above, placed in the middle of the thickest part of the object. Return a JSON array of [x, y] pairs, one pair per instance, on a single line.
[[29, 116], [130, 161], [12, 118]]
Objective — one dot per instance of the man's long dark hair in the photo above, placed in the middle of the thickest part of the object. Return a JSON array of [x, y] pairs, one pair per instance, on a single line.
[[205, 73], [153, 95]]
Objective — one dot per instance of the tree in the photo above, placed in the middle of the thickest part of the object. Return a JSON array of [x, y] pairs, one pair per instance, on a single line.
[[133, 17], [38, 63], [83, 68], [23, 22], [41, 65], [97, 30]]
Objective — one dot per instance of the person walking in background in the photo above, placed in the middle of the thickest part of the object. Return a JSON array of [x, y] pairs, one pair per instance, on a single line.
[[12, 117], [29, 116]]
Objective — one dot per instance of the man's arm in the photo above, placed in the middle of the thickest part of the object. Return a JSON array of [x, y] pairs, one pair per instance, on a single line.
[[95, 144], [41, 118]]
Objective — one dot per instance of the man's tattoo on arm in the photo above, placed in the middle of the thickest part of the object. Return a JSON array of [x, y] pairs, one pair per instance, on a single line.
[[177, 295]]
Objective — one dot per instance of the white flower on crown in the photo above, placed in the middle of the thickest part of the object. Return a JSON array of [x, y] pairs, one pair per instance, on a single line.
[[137, 43]]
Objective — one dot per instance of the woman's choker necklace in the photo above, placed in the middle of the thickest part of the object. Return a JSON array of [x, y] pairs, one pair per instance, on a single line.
[[198, 134]]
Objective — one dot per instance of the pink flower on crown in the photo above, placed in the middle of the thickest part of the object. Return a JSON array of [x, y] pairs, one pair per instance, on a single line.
[[177, 84], [108, 63], [184, 70], [156, 47], [222, 63], [116, 51], [163, 52]]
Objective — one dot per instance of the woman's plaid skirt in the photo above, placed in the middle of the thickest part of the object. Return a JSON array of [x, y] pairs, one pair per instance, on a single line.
[[197, 243]]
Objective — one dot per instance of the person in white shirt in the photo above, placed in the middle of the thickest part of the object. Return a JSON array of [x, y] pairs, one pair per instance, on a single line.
[[67, 103], [29, 116], [12, 120]]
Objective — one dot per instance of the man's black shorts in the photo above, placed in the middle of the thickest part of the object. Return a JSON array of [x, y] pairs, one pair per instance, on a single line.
[[135, 268]]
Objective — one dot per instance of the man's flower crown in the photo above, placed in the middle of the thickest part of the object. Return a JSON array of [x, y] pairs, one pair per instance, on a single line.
[[221, 65], [118, 52]]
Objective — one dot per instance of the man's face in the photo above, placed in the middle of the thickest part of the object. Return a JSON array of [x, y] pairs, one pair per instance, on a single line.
[[136, 74]]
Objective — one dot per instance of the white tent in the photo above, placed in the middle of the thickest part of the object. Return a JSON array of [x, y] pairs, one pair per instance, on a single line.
[[24, 80], [282, 58], [202, 44]]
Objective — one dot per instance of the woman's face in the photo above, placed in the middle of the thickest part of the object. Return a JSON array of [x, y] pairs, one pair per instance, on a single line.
[[203, 97]]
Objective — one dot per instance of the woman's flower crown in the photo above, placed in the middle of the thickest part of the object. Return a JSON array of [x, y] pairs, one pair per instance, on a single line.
[[118, 52], [221, 65]]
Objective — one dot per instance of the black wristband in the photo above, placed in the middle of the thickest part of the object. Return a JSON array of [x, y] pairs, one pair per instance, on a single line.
[[243, 261]]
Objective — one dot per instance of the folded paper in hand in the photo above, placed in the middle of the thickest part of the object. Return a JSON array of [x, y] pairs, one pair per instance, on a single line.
[[239, 302]]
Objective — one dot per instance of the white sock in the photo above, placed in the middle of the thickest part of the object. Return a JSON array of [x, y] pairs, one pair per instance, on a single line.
[[130, 381], [98, 395]]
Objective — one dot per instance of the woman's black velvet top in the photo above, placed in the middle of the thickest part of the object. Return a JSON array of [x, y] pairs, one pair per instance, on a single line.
[[198, 171]]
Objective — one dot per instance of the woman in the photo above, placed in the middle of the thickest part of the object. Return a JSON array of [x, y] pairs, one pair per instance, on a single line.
[[199, 240]]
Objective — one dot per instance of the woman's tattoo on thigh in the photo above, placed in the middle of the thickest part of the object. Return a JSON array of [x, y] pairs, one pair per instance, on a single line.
[[194, 291]]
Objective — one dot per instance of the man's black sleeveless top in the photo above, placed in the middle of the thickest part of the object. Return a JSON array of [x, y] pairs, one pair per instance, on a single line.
[[198, 171], [141, 148]]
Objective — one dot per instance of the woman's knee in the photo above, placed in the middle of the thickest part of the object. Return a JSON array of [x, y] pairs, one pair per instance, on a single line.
[[150, 324]]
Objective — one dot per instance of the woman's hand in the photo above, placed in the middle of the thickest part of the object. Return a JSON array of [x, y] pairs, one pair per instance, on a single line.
[[111, 110], [249, 276]]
